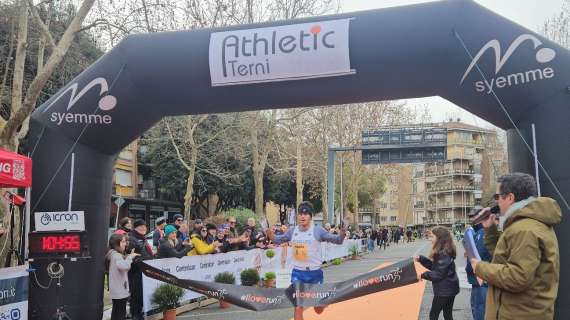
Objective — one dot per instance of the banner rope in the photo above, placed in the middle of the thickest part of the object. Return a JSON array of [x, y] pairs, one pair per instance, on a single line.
[[298, 294]]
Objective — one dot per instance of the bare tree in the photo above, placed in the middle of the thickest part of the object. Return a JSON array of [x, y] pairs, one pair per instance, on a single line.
[[557, 28], [189, 138], [23, 104]]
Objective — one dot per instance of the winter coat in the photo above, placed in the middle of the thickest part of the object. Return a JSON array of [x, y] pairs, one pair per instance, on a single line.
[[167, 250], [442, 275], [200, 246], [524, 273], [119, 267]]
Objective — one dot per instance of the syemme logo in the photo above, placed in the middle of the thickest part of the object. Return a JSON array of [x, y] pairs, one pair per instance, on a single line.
[[542, 56], [234, 48], [106, 103]]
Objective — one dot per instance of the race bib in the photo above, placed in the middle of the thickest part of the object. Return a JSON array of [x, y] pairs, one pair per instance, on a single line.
[[300, 252]]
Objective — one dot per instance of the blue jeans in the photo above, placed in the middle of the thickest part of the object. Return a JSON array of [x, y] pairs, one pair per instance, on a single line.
[[370, 245], [478, 296]]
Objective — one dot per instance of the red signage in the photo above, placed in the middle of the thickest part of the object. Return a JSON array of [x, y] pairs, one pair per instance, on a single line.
[[15, 170], [60, 243]]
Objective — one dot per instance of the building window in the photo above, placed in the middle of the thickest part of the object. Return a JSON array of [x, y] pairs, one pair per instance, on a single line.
[[123, 178], [393, 218]]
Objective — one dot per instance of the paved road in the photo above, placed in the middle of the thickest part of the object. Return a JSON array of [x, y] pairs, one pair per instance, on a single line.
[[342, 272]]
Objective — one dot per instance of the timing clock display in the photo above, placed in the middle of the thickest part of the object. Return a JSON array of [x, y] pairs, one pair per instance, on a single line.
[[57, 243]]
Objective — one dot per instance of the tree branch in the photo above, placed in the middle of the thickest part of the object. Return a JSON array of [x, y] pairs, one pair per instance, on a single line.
[[43, 27], [176, 147]]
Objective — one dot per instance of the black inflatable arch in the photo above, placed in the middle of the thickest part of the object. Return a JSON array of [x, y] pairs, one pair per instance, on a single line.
[[403, 52]]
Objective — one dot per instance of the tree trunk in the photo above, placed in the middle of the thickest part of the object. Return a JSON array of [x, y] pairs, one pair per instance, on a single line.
[[299, 175], [258, 181], [21, 111], [324, 196], [7, 64], [19, 62], [354, 187], [190, 184]]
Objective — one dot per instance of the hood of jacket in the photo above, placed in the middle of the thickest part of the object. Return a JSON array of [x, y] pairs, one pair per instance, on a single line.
[[543, 209]]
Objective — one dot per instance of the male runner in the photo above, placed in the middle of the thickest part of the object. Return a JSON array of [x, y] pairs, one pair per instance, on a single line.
[[306, 238]]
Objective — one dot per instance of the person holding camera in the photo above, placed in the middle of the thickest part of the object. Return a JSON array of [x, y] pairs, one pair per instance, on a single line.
[[524, 273]]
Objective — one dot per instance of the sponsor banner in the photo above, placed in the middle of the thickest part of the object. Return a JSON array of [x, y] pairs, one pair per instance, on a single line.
[[59, 221], [538, 70], [74, 94], [201, 267], [290, 52], [14, 293], [205, 267], [15, 170], [298, 294]]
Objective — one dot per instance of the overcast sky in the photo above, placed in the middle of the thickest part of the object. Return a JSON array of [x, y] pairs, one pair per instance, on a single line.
[[528, 13]]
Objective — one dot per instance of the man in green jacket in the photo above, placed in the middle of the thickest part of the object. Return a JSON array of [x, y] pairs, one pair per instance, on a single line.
[[524, 273]]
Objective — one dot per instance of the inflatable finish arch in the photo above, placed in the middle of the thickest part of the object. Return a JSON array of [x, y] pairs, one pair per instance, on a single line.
[[403, 52]]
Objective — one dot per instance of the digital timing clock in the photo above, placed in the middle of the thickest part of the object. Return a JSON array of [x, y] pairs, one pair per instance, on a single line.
[[58, 244]]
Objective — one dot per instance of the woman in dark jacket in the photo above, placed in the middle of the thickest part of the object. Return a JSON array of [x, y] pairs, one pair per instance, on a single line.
[[168, 247], [223, 239], [441, 273]]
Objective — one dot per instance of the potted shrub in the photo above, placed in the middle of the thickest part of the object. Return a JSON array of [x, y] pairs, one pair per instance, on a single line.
[[167, 297], [270, 253], [337, 261], [353, 251], [227, 278], [269, 279], [249, 277]]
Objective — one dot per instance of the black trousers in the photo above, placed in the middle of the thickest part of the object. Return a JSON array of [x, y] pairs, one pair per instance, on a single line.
[[135, 286], [441, 303], [119, 309]]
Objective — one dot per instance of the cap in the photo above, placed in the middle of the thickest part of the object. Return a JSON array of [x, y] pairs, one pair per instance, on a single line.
[[169, 229], [139, 222], [160, 221], [198, 221], [480, 215], [306, 207], [211, 226], [178, 216]]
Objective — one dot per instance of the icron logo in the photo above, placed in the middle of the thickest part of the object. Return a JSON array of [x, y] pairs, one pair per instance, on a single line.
[[47, 217], [542, 56], [106, 102]]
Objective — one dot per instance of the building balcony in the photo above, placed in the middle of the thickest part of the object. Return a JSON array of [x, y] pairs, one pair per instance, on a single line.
[[443, 221], [419, 205], [454, 188], [449, 172], [451, 205]]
